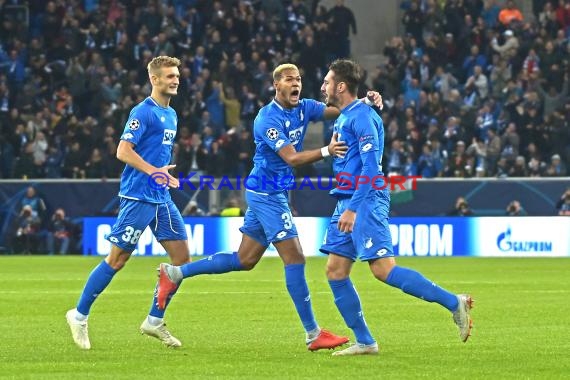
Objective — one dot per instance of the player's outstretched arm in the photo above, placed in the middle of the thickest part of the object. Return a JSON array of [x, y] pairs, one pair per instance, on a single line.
[[127, 154], [373, 98], [295, 159]]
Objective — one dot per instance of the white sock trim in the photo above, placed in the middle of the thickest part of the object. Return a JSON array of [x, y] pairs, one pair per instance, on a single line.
[[80, 317], [154, 321], [313, 334]]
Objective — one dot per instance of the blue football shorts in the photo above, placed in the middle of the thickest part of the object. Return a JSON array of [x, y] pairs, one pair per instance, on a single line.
[[370, 238], [164, 220], [268, 218]]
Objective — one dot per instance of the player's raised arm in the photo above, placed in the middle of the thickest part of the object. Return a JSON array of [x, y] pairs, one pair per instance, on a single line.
[[295, 159]]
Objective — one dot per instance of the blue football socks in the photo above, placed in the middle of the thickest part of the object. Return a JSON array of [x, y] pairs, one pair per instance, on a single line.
[[299, 292], [154, 310], [413, 283], [348, 304], [222, 262], [98, 280]]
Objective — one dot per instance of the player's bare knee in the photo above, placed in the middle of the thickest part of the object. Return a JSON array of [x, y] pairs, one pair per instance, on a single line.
[[335, 272], [293, 258], [247, 263], [381, 268], [118, 262]]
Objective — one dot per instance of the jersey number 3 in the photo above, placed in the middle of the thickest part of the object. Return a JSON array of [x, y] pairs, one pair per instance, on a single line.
[[287, 220]]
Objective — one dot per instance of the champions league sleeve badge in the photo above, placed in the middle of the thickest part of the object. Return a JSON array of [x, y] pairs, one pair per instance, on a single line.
[[272, 134], [134, 124]]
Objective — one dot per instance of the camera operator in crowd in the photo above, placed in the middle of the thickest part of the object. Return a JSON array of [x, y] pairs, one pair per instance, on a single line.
[[461, 208], [515, 209], [60, 232], [25, 237], [563, 204]]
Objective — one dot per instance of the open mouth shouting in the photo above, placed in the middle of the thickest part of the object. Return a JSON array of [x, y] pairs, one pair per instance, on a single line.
[[294, 96]]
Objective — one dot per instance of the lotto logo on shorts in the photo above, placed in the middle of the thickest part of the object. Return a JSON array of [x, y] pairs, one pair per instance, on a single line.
[[169, 135]]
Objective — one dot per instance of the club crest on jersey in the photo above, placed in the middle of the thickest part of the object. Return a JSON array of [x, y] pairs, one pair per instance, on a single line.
[[134, 124], [169, 135], [272, 134]]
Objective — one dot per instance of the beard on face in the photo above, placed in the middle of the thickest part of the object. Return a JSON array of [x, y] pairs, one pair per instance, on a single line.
[[331, 100]]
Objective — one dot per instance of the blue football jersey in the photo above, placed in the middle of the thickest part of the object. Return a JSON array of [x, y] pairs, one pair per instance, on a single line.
[[362, 130], [152, 129], [273, 128]]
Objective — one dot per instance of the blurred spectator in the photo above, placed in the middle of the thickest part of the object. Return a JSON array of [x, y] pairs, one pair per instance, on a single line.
[[216, 159], [192, 209], [490, 13], [34, 202], [553, 100], [74, 164], [500, 75], [396, 158], [24, 166], [191, 156], [515, 209], [429, 166], [461, 208], [95, 166], [60, 232], [232, 208], [341, 21], [519, 168], [509, 49], [493, 151], [479, 82], [26, 232], [232, 105], [510, 143], [477, 153], [502, 168], [54, 163], [459, 162], [563, 204], [510, 14], [472, 60], [246, 150], [413, 21], [556, 168]]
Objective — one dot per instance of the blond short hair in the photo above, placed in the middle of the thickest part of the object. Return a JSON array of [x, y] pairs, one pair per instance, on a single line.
[[278, 72], [160, 62]]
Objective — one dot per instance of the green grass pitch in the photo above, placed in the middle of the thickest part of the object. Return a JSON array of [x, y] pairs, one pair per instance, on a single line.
[[243, 325]]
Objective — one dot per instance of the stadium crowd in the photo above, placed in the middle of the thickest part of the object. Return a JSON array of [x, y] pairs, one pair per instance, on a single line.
[[69, 80], [471, 88], [478, 90]]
